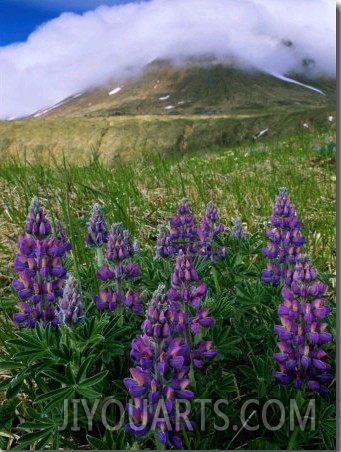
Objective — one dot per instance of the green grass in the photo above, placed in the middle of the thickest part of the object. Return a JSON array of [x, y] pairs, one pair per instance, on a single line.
[[145, 190]]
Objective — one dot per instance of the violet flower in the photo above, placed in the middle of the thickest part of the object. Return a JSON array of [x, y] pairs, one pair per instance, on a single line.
[[284, 241], [117, 269], [159, 377], [301, 359], [97, 234], [207, 231], [183, 234], [70, 309], [187, 316], [237, 230], [40, 267]]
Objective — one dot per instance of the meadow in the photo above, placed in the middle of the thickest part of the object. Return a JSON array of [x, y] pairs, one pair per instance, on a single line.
[[52, 376]]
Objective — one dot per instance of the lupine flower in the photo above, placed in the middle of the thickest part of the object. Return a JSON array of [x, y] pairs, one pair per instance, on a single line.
[[237, 230], [97, 229], [117, 269], [160, 375], [70, 306], [181, 233], [301, 359], [184, 235], [284, 241], [40, 268], [207, 231], [164, 244], [185, 295]]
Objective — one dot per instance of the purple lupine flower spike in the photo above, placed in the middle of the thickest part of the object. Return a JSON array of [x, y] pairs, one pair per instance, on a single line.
[[36, 224], [207, 232], [301, 360], [187, 289], [237, 230], [40, 267], [182, 227], [120, 245], [70, 308], [159, 377], [164, 244], [118, 269], [284, 241], [60, 234], [97, 229]]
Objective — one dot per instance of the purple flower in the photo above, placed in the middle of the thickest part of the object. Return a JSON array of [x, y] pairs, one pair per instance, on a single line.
[[301, 358], [237, 230], [40, 267], [116, 270], [207, 231], [120, 245], [70, 307], [36, 224], [97, 234], [160, 374], [183, 234], [285, 241]]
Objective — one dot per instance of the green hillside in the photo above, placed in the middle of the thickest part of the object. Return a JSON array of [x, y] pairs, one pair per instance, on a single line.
[[172, 109]]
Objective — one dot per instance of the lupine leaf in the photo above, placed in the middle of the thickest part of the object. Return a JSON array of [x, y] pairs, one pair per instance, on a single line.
[[96, 443]]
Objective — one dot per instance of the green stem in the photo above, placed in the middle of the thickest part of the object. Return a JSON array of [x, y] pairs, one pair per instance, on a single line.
[[186, 440], [159, 445], [292, 440], [99, 257]]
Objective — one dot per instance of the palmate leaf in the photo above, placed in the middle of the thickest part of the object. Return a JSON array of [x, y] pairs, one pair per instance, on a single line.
[[15, 385], [226, 343], [327, 427], [96, 443], [95, 379], [30, 438], [221, 307], [55, 397], [84, 368]]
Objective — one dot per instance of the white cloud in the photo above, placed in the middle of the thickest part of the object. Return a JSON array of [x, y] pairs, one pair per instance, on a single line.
[[74, 52]]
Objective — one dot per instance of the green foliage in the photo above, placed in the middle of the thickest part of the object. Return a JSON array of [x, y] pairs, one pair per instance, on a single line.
[[52, 378]]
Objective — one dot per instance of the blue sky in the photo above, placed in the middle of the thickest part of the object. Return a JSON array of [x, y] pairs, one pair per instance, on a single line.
[[53, 49], [19, 18]]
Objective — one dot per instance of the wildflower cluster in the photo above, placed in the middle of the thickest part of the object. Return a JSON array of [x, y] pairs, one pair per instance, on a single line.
[[185, 295], [160, 376], [118, 268], [39, 264], [301, 359], [284, 241], [183, 234]]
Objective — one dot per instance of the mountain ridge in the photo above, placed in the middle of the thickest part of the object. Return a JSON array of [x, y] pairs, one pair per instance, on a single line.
[[172, 108]]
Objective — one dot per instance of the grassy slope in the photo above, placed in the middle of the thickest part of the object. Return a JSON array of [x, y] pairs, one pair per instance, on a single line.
[[242, 181], [222, 107]]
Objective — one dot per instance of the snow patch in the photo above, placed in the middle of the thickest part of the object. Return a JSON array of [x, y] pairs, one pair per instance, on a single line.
[[43, 112], [114, 91], [260, 134], [290, 80]]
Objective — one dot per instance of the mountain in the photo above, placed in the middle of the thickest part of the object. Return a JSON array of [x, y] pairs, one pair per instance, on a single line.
[[170, 107]]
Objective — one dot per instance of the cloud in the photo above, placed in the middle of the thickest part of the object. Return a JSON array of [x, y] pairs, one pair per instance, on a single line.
[[75, 52]]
